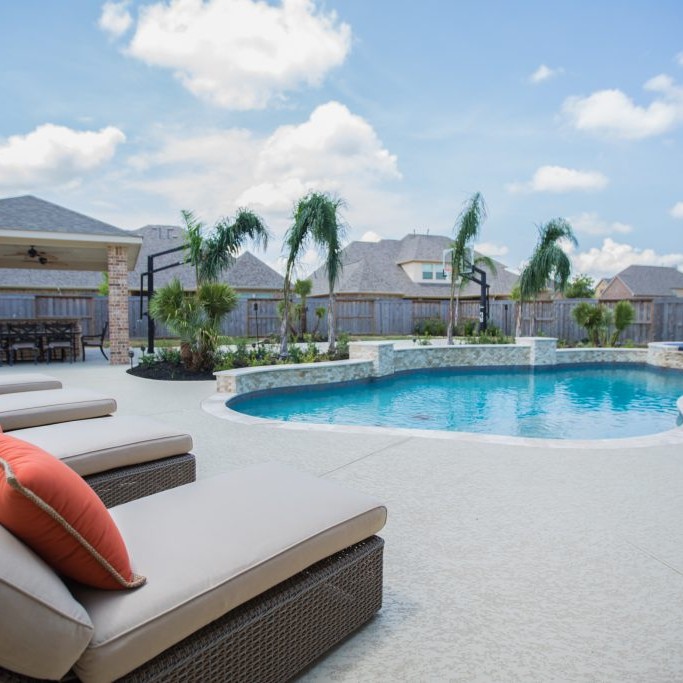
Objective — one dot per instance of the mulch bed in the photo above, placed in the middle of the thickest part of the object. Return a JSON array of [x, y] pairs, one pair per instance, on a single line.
[[169, 371]]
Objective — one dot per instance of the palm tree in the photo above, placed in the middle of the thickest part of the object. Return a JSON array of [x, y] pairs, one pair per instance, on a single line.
[[548, 263], [196, 318], [317, 220], [302, 288], [467, 228], [624, 315], [211, 254]]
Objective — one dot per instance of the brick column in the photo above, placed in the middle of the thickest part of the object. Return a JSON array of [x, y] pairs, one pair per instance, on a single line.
[[119, 340]]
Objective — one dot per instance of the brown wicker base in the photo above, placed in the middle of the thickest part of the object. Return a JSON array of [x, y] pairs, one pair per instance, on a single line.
[[124, 484], [277, 635]]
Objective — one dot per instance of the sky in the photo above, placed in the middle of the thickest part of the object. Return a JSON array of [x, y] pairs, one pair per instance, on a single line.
[[132, 111]]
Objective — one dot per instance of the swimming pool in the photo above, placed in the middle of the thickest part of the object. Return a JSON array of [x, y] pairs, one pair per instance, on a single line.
[[577, 402]]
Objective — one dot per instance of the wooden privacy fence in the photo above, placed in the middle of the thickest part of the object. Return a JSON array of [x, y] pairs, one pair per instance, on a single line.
[[658, 320]]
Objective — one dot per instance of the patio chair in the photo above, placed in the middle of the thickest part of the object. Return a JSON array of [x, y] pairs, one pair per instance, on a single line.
[[23, 337], [60, 337], [251, 576], [95, 340]]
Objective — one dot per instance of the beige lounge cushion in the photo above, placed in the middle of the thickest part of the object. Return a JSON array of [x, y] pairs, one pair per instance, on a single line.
[[29, 381], [35, 408], [210, 546], [43, 629], [105, 443]]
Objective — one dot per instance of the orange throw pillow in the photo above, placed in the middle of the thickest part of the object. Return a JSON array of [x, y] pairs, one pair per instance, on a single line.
[[53, 511]]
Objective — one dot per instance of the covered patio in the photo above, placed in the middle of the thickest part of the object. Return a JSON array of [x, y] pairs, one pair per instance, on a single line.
[[36, 234]]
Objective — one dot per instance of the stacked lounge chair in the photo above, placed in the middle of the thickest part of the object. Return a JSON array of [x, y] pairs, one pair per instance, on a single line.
[[121, 457], [250, 575]]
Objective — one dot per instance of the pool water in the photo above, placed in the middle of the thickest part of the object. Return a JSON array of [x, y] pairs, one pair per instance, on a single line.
[[587, 402]]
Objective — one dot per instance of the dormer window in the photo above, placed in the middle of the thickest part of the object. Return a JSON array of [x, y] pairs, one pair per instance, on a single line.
[[433, 271]]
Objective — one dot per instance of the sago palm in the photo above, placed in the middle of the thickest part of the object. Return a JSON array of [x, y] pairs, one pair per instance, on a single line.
[[196, 317]]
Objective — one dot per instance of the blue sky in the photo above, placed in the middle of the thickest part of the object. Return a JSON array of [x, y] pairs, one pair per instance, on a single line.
[[132, 111]]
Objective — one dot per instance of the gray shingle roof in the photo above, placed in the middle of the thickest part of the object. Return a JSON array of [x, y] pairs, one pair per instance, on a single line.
[[422, 248], [651, 280], [33, 214], [248, 273], [374, 268]]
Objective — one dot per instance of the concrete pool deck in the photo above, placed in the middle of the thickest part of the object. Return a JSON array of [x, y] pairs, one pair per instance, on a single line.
[[512, 562]]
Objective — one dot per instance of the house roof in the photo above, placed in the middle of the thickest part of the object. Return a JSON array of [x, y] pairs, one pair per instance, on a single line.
[[247, 273], [422, 248], [375, 268], [59, 238], [650, 280]]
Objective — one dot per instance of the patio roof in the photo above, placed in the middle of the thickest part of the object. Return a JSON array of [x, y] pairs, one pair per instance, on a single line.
[[37, 234]]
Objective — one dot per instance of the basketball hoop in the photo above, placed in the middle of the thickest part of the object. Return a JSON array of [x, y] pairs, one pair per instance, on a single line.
[[447, 265], [468, 261]]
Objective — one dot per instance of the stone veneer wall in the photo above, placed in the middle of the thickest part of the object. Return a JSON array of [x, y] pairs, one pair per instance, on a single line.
[[665, 355], [460, 356], [119, 340], [601, 356], [244, 380], [378, 359]]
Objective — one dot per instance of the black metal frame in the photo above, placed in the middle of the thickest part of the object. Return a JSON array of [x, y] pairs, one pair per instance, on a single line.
[[150, 289], [483, 297]]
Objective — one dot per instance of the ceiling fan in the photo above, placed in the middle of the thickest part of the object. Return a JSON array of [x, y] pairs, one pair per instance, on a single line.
[[40, 256]]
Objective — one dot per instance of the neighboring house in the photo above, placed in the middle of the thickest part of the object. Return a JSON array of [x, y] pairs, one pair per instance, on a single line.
[[409, 268], [644, 282], [602, 286], [248, 276]]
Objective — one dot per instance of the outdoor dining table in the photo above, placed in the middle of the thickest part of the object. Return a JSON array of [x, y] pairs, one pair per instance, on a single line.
[[42, 331]]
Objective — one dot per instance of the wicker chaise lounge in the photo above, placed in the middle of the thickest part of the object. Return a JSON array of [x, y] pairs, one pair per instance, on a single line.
[[121, 457], [28, 381], [37, 408], [251, 576]]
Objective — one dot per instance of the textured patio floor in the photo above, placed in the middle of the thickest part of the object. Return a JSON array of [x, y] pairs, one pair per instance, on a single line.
[[503, 563]]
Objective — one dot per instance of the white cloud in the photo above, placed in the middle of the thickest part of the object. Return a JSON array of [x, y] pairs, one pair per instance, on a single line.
[[54, 155], [491, 249], [370, 236], [592, 224], [612, 257], [679, 58], [115, 18], [332, 151], [677, 210], [241, 54], [544, 73], [560, 179], [613, 113]]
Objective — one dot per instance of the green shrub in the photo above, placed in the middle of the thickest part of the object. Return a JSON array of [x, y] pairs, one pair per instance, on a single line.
[[469, 327], [434, 327]]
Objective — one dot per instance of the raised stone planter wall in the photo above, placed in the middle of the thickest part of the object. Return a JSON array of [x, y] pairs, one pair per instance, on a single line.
[[601, 356], [244, 380], [460, 356], [665, 355], [378, 359]]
